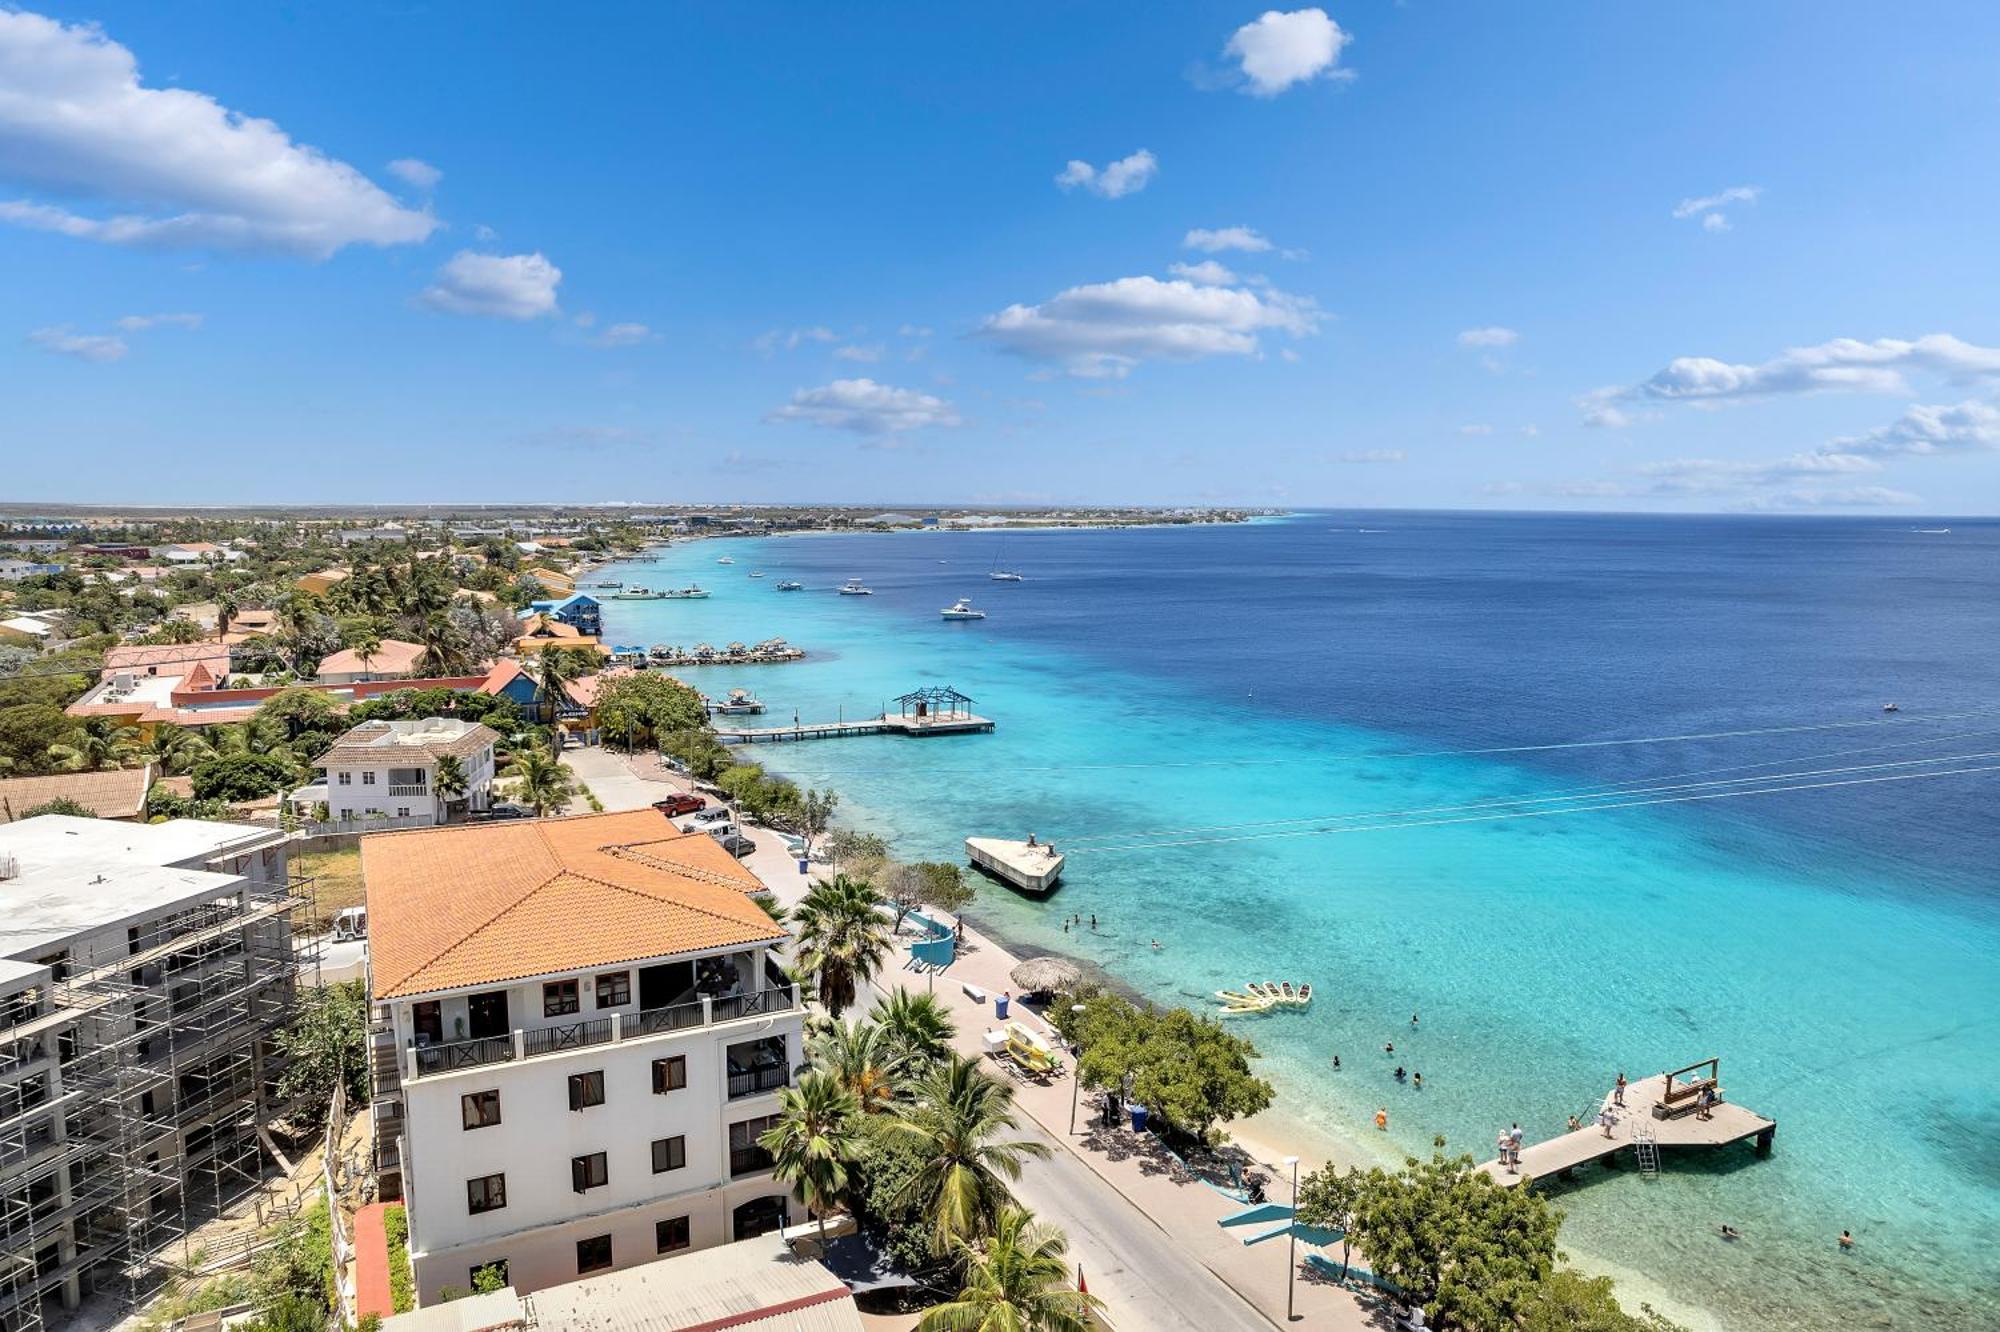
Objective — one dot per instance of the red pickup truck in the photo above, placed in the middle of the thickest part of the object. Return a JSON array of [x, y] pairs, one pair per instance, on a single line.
[[676, 805]]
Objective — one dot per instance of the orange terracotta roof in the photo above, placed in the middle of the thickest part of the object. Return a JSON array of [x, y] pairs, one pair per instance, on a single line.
[[393, 657], [486, 904], [505, 671], [110, 793]]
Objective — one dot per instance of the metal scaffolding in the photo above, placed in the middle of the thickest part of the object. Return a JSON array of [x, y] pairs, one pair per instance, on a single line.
[[148, 1117]]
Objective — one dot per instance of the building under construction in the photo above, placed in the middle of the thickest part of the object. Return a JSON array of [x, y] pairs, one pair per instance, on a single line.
[[144, 972]]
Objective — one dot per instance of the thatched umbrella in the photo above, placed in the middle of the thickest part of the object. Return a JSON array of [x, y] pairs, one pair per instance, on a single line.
[[1047, 975]]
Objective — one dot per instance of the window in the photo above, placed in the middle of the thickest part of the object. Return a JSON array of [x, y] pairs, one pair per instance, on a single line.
[[559, 997], [614, 988], [671, 1235], [588, 1172], [488, 1193], [593, 1255], [586, 1090], [480, 1109], [368, 779], [487, 1276], [670, 1074], [346, 779], [747, 1156], [669, 1154], [402, 811]]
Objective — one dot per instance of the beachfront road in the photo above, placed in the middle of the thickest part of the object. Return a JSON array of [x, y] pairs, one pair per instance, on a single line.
[[1145, 1277]]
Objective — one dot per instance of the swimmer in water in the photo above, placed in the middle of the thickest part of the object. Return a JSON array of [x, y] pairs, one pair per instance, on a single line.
[[1730, 1232]]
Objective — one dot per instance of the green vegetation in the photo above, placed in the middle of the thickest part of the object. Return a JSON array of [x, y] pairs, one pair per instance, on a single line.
[[402, 1284], [233, 777], [813, 1141], [60, 805], [542, 782], [327, 1043], [1018, 1279], [634, 710], [954, 1118], [1186, 1068], [336, 880], [842, 938], [928, 883]]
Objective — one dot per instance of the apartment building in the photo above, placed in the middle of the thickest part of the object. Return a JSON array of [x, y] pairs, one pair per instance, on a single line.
[[580, 1033], [388, 770], [144, 971]]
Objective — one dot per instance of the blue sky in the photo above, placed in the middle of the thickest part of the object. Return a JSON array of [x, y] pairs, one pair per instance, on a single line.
[[1421, 254]]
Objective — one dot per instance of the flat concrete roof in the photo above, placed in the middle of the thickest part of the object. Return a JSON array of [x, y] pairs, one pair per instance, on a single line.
[[77, 875]]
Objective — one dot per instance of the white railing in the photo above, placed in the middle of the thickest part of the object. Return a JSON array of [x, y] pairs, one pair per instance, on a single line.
[[417, 790]]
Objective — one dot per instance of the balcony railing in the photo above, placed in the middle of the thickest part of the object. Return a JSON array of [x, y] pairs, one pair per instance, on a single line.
[[757, 1081], [419, 789], [434, 1059], [748, 1161]]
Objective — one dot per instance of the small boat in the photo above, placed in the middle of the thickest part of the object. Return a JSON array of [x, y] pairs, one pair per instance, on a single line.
[[692, 592], [609, 585], [854, 587], [962, 610], [1890, 707], [1305, 993], [724, 559], [1290, 995], [739, 702], [790, 586], [637, 592], [663, 652], [756, 573], [1005, 576]]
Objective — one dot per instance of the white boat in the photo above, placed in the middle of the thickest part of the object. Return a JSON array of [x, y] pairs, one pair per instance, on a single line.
[[1005, 576], [756, 573], [613, 586], [724, 559], [962, 610], [739, 702], [692, 592], [637, 592], [854, 587], [1890, 707], [790, 586]]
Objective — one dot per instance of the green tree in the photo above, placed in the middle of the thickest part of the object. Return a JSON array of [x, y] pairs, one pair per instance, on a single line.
[[1017, 1281], [1185, 1067], [450, 781], [1569, 1301], [917, 1025], [60, 805], [808, 816], [860, 1057], [27, 732], [445, 651], [928, 883], [1469, 1250], [242, 776], [100, 743], [955, 1118], [179, 748], [362, 635], [552, 669], [544, 782], [327, 1045], [307, 720], [634, 710], [843, 938], [885, 1162], [227, 608], [813, 1142], [1327, 1198]]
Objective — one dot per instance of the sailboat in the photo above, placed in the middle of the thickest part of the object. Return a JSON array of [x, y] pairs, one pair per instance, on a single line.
[[998, 574]]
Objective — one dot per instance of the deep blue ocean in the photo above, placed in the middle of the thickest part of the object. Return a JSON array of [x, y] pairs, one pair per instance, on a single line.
[[1254, 742]]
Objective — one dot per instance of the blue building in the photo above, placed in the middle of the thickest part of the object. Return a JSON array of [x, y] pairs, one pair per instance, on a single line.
[[580, 612]]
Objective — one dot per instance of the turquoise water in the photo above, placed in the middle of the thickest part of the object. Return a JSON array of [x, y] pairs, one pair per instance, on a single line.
[[1835, 948]]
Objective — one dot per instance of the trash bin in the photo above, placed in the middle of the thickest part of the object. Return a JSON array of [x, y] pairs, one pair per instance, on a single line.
[[1000, 1007], [1138, 1117], [803, 866]]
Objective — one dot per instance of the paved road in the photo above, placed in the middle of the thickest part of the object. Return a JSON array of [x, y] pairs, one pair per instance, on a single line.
[[609, 779], [1145, 1277]]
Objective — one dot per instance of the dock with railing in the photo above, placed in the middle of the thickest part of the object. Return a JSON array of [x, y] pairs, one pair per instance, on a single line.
[[1684, 1108], [934, 710]]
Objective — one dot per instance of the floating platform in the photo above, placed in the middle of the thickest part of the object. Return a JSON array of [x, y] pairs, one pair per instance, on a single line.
[[1032, 869], [1659, 1112], [960, 724]]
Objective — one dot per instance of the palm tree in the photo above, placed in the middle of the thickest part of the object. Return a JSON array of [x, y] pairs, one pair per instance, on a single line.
[[226, 611], [544, 781], [860, 1057], [1017, 1282], [444, 647], [101, 742], [916, 1025], [813, 1141], [954, 1120], [178, 749], [364, 639], [449, 781], [843, 938]]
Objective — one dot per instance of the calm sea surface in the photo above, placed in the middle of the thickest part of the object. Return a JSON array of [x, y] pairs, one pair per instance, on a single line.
[[1253, 742]]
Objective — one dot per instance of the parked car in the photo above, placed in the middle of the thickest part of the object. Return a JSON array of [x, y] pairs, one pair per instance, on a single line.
[[708, 818], [736, 844], [510, 812], [680, 803]]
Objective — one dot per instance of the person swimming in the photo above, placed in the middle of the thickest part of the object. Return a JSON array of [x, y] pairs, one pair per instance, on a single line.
[[1846, 1240], [1390, 1048], [1730, 1232], [1416, 1080], [1400, 1075], [1336, 1061]]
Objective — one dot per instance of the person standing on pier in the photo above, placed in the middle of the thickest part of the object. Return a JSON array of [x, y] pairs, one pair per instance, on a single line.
[[1605, 1119], [1618, 1089]]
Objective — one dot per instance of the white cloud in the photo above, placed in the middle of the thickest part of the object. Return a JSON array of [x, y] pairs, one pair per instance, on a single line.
[[1493, 336], [623, 335], [1371, 456], [1854, 497], [793, 339], [1961, 428], [1714, 476], [1128, 175], [1207, 272], [1103, 329], [1480, 429], [175, 167], [1601, 410], [1842, 364], [1708, 207], [1277, 50], [140, 323], [1224, 238], [65, 341], [416, 172], [865, 354], [866, 408], [502, 286]]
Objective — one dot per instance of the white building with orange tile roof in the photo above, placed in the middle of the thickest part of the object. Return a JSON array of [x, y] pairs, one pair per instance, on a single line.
[[581, 1031]]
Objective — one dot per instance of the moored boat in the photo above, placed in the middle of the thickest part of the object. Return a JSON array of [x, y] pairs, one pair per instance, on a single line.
[[962, 610], [790, 585], [692, 592], [854, 587]]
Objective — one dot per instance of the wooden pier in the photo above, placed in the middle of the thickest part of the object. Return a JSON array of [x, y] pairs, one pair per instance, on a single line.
[[936, 710], [1659, 1112]]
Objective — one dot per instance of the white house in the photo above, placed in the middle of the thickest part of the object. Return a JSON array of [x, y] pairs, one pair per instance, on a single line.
[[198, 552], [580, 1034], [388, 770]]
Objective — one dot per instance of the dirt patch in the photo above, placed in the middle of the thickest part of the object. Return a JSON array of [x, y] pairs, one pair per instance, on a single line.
[[337, 882]]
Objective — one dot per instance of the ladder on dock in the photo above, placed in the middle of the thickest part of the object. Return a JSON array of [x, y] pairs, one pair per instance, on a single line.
[[1647, 1148]]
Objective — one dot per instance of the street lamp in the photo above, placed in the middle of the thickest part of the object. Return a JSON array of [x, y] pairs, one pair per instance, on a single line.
[[1075, 1074], [1292, 1240]]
